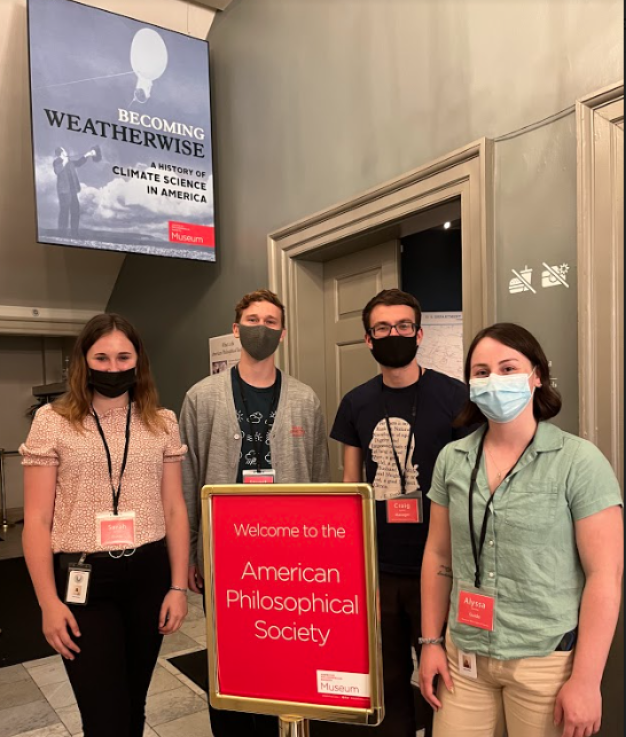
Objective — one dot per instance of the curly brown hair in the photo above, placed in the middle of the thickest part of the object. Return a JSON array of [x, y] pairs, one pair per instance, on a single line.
[[75, 405], [259, 295]]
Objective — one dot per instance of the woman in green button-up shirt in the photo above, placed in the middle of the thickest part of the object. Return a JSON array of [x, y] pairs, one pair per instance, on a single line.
[[530, 581]]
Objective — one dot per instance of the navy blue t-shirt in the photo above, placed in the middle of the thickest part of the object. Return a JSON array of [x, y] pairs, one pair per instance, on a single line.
[[360, 422], [255, 428]]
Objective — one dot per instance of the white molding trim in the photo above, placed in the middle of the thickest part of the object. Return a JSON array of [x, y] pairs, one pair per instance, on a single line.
[[466, 173], [49, 321], [594, 370]]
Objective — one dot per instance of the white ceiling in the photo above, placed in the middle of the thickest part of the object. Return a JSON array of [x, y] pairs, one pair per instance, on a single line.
[[213, 4]]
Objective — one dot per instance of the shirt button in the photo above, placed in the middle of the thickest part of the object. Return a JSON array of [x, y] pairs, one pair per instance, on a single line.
[[491, 574], [491, 543], [236, 436]]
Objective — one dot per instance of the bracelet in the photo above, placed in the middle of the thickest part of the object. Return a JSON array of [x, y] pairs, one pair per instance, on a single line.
[[178, 588], [430, 640]]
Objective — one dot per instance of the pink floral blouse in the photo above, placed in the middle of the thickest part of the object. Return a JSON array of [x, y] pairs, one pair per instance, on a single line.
[[83, 488]]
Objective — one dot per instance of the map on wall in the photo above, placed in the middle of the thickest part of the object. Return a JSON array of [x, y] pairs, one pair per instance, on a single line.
[[442, 345]]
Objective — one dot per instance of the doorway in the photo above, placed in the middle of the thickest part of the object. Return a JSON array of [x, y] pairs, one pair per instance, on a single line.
[[459, 184], [600, 136]]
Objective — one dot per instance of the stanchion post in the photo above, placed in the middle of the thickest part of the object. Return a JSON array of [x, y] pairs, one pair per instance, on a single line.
[[3, 493], [293, 726], [5, 524]]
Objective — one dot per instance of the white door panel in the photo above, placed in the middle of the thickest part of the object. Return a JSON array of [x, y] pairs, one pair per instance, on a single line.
[[349, 283]]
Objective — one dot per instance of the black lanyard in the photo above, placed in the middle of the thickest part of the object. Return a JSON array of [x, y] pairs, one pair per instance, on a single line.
[[255, 442], [401, 468], [116, 493], [477, 551]]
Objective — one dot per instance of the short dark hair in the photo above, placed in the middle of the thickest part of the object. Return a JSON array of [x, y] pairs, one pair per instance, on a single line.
[[390, 297], [259, 295], [546, 399]]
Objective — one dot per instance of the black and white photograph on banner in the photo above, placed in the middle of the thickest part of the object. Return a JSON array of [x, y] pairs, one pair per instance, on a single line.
[[121, 127]]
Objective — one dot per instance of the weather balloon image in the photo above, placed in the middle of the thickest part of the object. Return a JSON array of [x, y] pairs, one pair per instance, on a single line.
[[148, 58]]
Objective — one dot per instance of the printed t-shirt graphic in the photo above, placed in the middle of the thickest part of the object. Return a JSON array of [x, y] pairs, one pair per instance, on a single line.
[[387, 479]]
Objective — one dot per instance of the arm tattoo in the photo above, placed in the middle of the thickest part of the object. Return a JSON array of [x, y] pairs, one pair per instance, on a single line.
[[445, 571]]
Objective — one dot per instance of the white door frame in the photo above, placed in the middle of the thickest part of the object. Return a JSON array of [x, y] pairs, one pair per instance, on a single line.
[[466, 173], [599, 258]]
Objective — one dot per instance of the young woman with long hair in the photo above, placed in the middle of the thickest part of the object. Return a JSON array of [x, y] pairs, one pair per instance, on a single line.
[[106, 534], [523, 558]]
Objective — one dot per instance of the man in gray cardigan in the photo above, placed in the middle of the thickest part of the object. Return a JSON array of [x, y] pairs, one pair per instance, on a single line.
[[250, 424]]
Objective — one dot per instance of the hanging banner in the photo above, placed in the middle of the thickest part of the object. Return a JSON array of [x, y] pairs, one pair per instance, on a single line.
[[121, 133], [292, 583]]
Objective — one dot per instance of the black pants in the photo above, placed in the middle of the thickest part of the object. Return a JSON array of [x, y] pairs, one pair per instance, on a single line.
[[405, 709], [226, 723], [120, 638], [69, 212]]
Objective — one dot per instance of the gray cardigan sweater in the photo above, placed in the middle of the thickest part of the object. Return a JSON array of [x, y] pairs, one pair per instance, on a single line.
[[209, 427]]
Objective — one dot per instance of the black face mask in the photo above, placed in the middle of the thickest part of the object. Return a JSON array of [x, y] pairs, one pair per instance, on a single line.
[[112, 384], [394, 351]]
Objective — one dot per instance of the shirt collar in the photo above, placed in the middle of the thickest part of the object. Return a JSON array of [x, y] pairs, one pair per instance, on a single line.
[[547, 438]]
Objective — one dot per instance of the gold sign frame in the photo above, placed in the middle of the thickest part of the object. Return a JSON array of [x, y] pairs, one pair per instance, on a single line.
[[351, 715]]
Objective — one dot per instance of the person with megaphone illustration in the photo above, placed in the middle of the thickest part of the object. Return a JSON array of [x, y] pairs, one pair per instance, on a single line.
[[68, 186]]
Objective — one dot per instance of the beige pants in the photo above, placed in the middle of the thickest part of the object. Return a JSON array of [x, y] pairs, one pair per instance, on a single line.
[[516, 695]]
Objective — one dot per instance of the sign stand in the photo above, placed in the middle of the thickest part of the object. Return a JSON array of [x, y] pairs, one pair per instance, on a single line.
[[293, 727], [291, 577]]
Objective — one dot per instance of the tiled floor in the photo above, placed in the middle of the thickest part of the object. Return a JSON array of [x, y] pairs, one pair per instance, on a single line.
[[36, 699]]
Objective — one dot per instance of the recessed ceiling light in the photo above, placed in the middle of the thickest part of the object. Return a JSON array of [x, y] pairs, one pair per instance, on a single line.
[[446, 225]]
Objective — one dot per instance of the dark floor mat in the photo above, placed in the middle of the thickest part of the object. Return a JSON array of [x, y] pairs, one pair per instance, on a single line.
[[194, 666], [21, 638]]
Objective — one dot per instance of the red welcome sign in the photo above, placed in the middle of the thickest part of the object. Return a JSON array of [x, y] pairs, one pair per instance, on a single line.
[[292, 603]]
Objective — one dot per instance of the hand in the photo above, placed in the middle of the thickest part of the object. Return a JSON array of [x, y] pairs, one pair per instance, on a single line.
[[56, 618], [173, 612], [434, 661], [195, 580], [579, 708]]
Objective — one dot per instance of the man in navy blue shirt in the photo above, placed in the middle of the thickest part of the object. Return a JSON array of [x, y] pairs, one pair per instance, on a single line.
[[396, 424]]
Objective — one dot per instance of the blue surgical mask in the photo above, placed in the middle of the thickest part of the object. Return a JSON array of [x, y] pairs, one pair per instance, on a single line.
[[502, 398]]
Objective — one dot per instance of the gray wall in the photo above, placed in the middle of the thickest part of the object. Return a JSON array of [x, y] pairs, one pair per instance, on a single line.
[[318, 100], [535, 204]]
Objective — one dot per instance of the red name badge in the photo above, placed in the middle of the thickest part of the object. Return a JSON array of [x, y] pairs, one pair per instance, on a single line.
[[115, 530], [259, 477], [403, 510], [476, 610]]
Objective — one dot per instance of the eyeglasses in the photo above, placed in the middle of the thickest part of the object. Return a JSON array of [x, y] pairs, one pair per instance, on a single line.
[[405, 328]]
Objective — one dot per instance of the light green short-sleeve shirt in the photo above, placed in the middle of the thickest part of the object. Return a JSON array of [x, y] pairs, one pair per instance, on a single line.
[[530, 561]]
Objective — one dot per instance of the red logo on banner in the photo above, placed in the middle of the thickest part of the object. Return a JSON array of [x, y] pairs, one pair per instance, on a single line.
[[188, 234], [290, 588]]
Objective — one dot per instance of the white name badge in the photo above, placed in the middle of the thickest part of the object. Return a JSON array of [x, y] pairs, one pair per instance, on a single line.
[[467, 665], [266, 476], [77, 584], [115, 530]]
